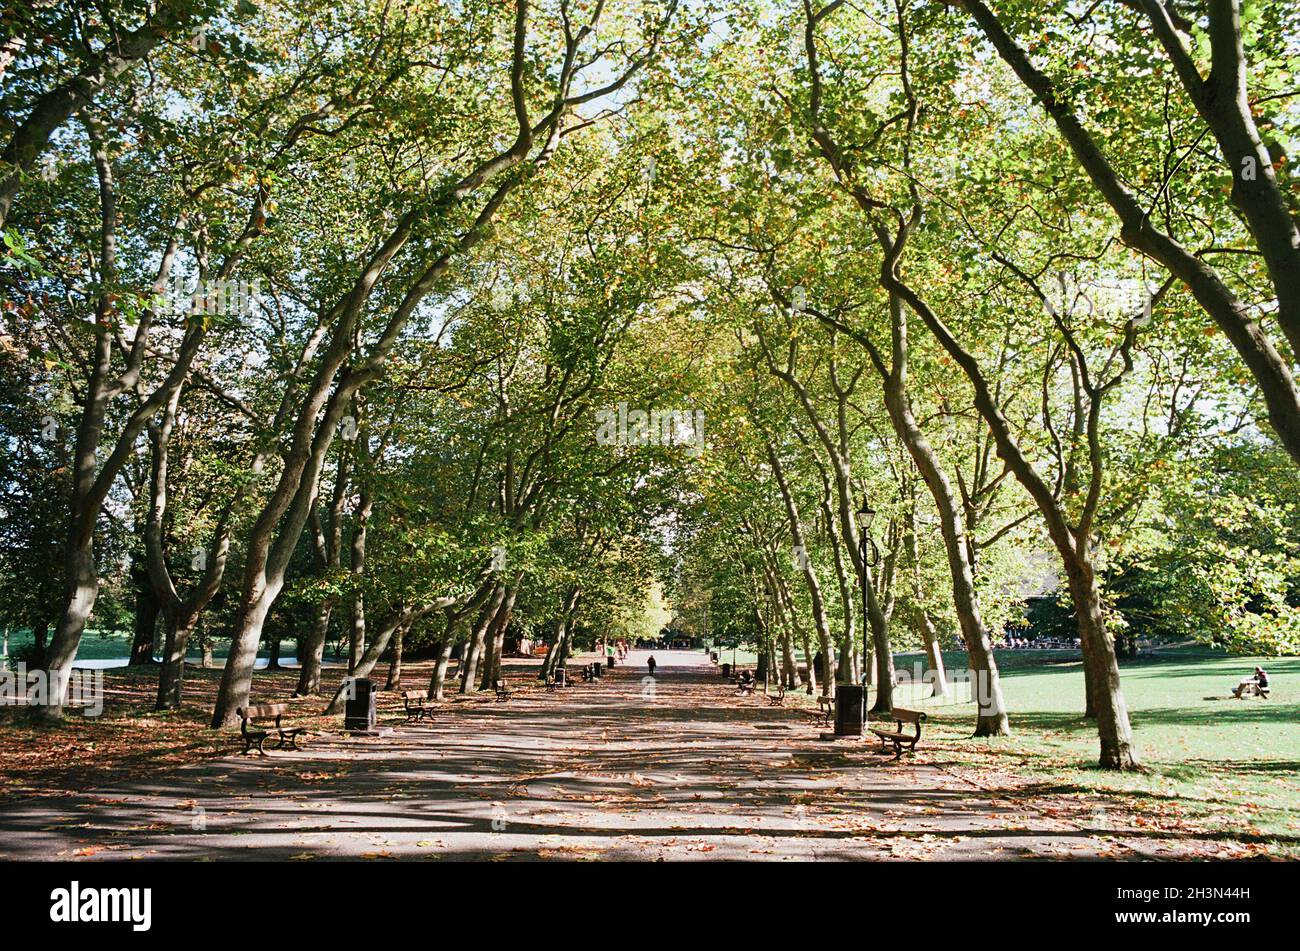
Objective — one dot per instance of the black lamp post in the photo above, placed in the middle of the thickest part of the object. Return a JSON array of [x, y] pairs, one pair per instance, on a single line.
[[866, 515]]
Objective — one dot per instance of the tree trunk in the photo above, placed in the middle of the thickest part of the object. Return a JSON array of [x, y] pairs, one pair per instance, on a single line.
[[566, 647], [761, 639], [311, 651], [934, 657], [80, 591], [791, 630], [562, 625], [146, 619], [789, 669], [438, 681], [810, 668], [273, 652], [881, 615], [40, 632], [991, 719], [443, 652], [91, 481], [394, 681], [180, 613], [1101, 669], [824, 642], [357, 632], [171, 676], [496, 635], [924, 623], [884, 674], [469, 670], [552, 653], [237, 676]]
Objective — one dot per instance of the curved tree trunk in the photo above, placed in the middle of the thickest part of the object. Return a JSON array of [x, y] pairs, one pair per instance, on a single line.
[[1224, 105], [991, 719], [180, 614], [54, 107], [1113, 728], [92, 481]]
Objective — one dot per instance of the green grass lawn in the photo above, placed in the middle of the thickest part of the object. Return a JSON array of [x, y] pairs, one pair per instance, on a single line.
[[116, 645], [1226, 763], [95, 644]]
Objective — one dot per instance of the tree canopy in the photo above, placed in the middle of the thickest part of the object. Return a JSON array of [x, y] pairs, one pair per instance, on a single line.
[[834, 330]]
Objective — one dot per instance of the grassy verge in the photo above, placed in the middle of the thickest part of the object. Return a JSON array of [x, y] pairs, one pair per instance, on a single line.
[[1227, 768]]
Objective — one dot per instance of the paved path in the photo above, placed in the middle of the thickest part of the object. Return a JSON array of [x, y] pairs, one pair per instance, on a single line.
[[675, 768]]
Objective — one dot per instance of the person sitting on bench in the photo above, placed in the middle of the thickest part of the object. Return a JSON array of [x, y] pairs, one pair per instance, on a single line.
[[1255, 683]]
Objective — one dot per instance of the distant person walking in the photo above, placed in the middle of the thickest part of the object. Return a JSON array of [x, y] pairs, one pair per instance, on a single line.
[[651, 664]]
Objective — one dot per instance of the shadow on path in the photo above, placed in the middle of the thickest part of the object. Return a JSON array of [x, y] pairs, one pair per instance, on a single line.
[[677, 767]]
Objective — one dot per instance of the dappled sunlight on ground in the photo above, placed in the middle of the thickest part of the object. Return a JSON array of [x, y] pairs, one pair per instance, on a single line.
[[678, 767]]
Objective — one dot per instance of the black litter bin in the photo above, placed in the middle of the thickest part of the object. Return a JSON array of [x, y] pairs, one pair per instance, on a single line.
[[726, 670], [850, 709], [610, 660], [359, 714], [597, 670], [561, 677]]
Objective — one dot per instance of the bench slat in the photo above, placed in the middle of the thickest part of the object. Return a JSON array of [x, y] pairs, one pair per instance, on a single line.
[[264, 710]]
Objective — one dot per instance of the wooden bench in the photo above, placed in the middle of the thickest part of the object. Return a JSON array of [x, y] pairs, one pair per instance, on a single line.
[[256, 736], [1252, 689], [896, 736], [777, 699], [503, 692], [826, 710], [417, 705]]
